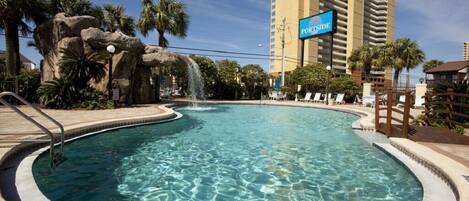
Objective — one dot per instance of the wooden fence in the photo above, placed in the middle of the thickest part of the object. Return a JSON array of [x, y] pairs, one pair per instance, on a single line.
[[387, 104], [453, 106]]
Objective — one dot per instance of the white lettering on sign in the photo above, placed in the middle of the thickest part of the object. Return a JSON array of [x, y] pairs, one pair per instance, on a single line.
[[315, 29]]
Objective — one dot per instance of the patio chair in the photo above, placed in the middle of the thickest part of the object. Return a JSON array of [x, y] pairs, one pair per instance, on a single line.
[[273, 95], [358, 100], [317, 97], [307, 97], [177, 92], [324, 100], [401, 101], [369, 101], [340, 99], [282, 96]]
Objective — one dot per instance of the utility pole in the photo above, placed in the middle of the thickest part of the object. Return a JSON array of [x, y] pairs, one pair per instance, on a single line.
[[283, 28]]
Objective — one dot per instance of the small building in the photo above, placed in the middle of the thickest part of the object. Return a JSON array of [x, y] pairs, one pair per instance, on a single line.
[[449, 72], [25, 62]]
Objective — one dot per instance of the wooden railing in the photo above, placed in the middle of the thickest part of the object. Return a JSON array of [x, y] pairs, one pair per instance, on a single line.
[[389, 102], [445, 105]]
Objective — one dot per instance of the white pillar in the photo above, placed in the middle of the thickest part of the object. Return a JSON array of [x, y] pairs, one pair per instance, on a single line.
[[367, 89]]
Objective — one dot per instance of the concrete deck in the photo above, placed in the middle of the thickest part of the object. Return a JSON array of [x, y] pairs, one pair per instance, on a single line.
[[75, 122]]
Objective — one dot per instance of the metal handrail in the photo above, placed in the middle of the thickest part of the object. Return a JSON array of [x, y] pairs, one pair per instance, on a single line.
[[40, 126]]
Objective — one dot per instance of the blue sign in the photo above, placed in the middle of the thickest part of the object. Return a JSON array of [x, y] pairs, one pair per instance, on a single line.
[[316, 25]]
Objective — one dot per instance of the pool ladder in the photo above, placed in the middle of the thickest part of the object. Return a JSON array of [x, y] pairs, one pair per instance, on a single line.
[[56, 157]]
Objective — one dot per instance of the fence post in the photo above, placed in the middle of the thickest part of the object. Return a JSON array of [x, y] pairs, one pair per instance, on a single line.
[[405, 124], [449, 116], [428, 97], [389, 113], [377, 126]]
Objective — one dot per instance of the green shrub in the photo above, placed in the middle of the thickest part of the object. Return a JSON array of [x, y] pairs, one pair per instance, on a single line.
[[343, 84]]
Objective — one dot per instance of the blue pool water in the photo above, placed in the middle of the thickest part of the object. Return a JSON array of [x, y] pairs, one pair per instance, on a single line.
[[234, 152]]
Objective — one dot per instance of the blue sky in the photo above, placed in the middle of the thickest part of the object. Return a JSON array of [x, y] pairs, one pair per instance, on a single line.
[[240, 25]]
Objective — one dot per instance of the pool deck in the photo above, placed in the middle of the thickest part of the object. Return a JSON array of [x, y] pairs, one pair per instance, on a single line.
[[451, 161]]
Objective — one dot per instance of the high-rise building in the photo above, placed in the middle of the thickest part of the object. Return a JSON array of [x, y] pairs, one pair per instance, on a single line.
[[466, 51], [358, 22]]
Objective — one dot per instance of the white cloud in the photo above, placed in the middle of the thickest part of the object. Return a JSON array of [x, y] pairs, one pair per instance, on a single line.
[[442, 20]]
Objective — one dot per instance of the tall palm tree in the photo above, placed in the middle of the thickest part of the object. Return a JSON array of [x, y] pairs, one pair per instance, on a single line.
[[363, 58], [405, 54], [167, 16], [115, 18], [14, 18], [431, 64]]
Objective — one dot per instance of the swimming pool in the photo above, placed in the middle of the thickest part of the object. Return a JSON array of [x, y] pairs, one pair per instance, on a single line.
[[233, 152]]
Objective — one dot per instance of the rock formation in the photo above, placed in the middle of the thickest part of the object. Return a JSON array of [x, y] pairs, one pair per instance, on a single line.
[[132, 61]]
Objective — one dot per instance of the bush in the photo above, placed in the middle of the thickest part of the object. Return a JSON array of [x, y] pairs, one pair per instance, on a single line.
[[28, 84], [344, 84]]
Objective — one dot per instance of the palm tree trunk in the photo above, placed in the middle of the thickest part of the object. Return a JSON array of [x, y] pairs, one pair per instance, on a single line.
[[407, 82], [397, 72], [161, 39], [12, 48]]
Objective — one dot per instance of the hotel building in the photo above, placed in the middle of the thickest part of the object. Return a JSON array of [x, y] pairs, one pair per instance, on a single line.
[[466, 51], [358, 22]]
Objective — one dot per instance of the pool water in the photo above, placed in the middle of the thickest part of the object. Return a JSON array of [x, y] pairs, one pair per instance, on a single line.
[[231, 152]]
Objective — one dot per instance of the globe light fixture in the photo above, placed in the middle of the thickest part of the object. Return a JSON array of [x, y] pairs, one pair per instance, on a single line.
[[111, 49], [328, 68]]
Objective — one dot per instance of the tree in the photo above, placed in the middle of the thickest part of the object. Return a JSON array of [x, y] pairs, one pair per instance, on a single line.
[[404, 54], [343, 84], [432, 64], [253, 77], [79, 68], [312, 77], [14, 18], [363, 59], [228, 83], [2, 67], [115, 18], [167, 16], [73, 7]]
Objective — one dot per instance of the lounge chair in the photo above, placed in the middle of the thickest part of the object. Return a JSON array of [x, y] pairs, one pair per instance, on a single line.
[[324, 100], [317, 97], [401, 101], [307, 97], [340, 99], [358, 100], [369, 101], [273, 95], [419, 101], [282, 96]]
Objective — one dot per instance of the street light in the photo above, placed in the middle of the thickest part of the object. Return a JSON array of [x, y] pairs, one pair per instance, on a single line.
[[111, 49], [328, 68], [237, 82]]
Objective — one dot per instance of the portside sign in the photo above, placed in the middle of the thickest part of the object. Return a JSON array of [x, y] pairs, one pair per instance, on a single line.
[[316, 25]]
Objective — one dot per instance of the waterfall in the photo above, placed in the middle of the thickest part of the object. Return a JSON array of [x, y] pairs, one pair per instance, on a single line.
[[196, 83]]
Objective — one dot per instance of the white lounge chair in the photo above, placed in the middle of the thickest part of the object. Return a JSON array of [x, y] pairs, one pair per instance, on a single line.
[[419, 101], [401, 101], [282, 96], [307, 97], [369, 101], [317, 97], [324, 100], [273, 95], [340, 99]]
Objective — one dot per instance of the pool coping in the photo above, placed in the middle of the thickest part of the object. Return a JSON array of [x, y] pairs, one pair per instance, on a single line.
[[81, 130], [28, 188]]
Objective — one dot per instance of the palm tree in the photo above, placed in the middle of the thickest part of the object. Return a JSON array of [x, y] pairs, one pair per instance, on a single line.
[[165, 16], [431, 64], [363, 58], [115, 18], [14, 18], [405, 54], [79, 68], [72, 7]]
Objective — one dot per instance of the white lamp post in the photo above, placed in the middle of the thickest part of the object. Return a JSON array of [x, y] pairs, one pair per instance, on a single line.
[[111, 49], [297, 91], [328, 68]]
